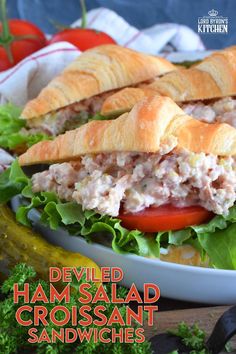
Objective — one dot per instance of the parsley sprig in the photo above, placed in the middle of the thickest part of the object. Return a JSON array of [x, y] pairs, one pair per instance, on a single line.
[[192, 336], [13, 337]]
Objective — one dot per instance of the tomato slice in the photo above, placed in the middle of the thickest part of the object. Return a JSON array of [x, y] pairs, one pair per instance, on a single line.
[[82, 38], [165, 217]]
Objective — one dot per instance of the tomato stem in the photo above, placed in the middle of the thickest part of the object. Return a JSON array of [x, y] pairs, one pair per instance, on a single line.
[[25, 36], [5, 28], [5, 38], [84, 12]]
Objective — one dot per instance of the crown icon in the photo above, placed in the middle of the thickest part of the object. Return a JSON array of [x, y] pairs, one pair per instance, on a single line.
[[213, 13]]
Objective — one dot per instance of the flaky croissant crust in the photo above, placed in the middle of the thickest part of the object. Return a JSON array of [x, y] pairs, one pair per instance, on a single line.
[[214, 77], [97, 70], [152, 122]]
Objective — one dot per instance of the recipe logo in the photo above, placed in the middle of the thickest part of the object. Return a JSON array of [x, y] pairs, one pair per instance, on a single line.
[[212, 23], [86, 319]]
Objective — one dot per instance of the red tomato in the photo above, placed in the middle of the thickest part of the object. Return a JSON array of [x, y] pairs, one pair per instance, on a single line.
[[165, 217], [24, 47], [82, 38]]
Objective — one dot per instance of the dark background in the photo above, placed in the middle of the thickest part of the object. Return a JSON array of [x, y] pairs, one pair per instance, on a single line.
[[139, 13]]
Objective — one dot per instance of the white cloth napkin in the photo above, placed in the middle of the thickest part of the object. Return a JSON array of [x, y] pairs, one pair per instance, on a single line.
[[5, 160], [152, 40], [25, 80]]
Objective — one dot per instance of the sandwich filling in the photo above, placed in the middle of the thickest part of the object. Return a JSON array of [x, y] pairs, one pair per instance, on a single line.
[[221, 111], [69, 117], [79, 113], [73, 115], [135, 181]]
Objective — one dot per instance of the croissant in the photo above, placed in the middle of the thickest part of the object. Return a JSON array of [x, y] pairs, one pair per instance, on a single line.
[[98, 70], [214, 77], [152, 122]]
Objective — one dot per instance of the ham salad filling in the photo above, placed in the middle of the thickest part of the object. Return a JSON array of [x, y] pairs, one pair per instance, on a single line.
[[69, 117], [77, 114], [135, 181], [221, 111], [74, 115]]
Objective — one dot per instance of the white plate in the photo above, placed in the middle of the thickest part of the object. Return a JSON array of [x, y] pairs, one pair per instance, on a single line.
[[175, 281]]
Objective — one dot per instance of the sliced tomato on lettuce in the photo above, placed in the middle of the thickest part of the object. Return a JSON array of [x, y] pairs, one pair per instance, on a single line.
[[165, 217], [215, 238]]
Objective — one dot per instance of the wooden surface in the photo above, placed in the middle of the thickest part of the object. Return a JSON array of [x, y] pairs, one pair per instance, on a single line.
[[205, 317]]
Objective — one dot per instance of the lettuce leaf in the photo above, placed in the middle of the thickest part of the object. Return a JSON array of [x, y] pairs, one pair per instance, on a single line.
[[9, 119], [12, 182], [87, 224], [217, 238], [221, 247], [11, 135], [98, 116], [81, 119]]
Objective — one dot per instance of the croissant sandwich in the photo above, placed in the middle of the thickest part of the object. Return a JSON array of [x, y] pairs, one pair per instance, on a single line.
[[154, 182], [206, 91], [73, 97]]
